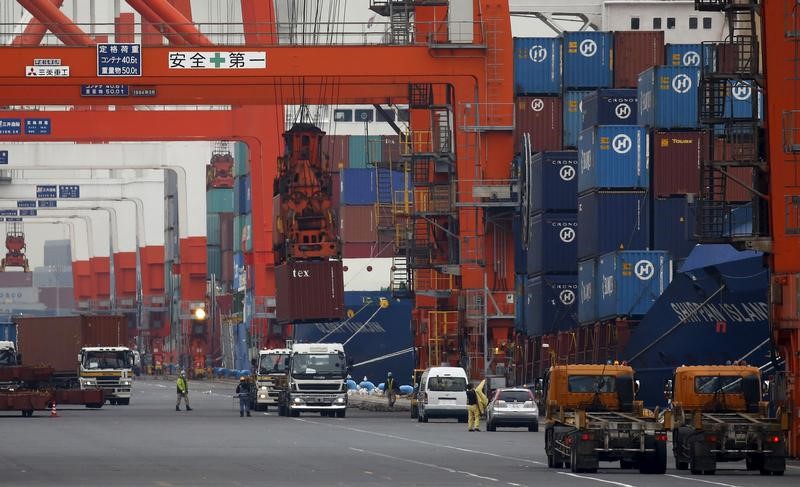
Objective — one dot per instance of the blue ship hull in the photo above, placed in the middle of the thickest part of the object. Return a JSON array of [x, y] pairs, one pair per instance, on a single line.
[[715, 310], [388, 332]]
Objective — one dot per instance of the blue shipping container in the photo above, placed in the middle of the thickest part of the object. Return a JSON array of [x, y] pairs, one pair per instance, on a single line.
[[520, 247], [613, 156], [610, 107], [612, 220], [673, 226], [573, 118], [537, 65], [241, 195], [219, 201], [553, 182], [519, 303], [668, 97], [739, 103], [552, 244], [629, 282], [588, 59], [691, 55], [359, 186], [212, 229], [587, 300], [8, 332], [551, 304], [364, 151]]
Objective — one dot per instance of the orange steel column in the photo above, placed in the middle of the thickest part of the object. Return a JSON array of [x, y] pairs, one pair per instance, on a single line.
[[35, 30], [69, 33], [125, 276], [100, 268], [82, 282], [154, 27], [177, 22], [780, 28]]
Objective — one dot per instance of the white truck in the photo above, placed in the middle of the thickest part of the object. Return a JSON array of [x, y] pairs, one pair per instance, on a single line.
[[109, 369], [270, 377], [316, 380]]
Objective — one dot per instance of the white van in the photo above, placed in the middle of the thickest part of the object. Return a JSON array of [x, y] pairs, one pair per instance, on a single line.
[[443, 394]]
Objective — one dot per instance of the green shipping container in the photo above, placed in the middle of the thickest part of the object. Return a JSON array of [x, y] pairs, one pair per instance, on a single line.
[[212, 229], [219, 201], [365, 150], [241, 159], [214, 255]]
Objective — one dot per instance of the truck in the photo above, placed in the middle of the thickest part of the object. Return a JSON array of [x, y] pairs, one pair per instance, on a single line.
[[315, 376], [269, 377], [592, 416], [719, 416], [85, 351]]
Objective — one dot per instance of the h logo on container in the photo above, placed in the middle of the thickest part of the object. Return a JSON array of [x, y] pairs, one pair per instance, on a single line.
[[538, 54], [567, 173], [682, 83], [741, 91], [644, 270], [567, 234], [691, 58], [586, 291], [567, 297], [588, 48], [537, 105], [622, 144], [622, 111]]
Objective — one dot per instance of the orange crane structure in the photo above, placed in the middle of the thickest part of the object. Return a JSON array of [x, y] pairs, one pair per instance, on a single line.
[[449, 62]]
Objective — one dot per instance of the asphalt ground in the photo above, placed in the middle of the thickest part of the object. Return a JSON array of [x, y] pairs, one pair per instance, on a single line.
[[149, 443]]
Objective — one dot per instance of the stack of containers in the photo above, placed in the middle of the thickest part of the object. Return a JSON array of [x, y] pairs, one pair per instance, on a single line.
[[613, 180], [219, 234], [537, 86], [241, 235], [551, 285], [357, 211]]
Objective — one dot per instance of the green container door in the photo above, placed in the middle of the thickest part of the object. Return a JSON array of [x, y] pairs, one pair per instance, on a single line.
[[364, 151], [241, 163], [212, 229], [219, 201], [214, 261], [238, 224]]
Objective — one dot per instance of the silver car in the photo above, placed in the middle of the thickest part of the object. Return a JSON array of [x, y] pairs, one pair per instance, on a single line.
[[512, 407]]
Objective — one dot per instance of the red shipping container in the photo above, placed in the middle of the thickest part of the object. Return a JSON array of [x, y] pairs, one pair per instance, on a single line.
[[336, 197], [226, 231], [16, 279], [634, 52], [542, 118], [727, 151], [57, 298], [390, 150], [366, 250], [676, 163], [227, 266], [309, 291], [357, 223], [337, 148]]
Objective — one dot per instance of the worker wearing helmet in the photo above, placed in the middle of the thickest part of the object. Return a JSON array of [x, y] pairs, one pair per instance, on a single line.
[[183, 392], [243, 391], [390, 387]]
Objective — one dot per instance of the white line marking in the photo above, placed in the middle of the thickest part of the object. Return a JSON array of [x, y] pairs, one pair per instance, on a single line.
[[700, 480], [513, 484], [430, 465], [595, 479], [438, 445], [792, 467]]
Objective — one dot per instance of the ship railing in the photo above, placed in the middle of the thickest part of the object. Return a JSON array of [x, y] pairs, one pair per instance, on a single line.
[[433, 280], [416, 142], [486, 116]]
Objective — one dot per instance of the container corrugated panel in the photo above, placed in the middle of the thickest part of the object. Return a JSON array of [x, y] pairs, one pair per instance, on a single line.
[[52, 341], [519, 304], [553, 181], [238, 224], [365, 250], [16, 279], [247, 233], [309, 290], [739, 101], [242, 195], [668, 97], [610, 107], [8, 332], [587, 299], [636, 51], [226, 271], [364, 151], [551, 304], [225, 231], [358, 223], [612, 220], [676, 162], [219, 201], [731, 152], [629, 282], [588, 60], [673, 226], [537, 65], [212, 229], [520, 250], [336, 189], [214, 261], [541, 117], [573, 117], [390, 149], [552, 244], [358, 187], [337, 148], [241, 163], [691, 55], [613, 156]]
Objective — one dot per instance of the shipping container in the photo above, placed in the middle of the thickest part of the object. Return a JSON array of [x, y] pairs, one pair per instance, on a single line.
[[673, 226], [613, 157], [537, 65], [241, 155], [609, 107], [587, 299], [239, 273], [226, 274], [739, 221], [390, 150], [225, 231], [336, 189], [309, 290], [541, 118], [520, 244], [213, 261], [612, 220], [519, 303], [16, 279], [359, 186], [573, 117], [247, 233], [241, 195], [551, 303], [56, 341], [668, 97], [219, 201], [57, 298], [588, 59], [337, 150], [212, 229], [358, 223], [636, 51], [630, 281], [8, 332], [739, 101], [552, 244], [688, 55], [366, 250], [364, 151], [728, 151], [238, 225], [553, 182], [676, 162]]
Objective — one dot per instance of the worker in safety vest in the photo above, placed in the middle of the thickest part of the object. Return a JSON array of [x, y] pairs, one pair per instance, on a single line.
[[391, 389], [183, 392]]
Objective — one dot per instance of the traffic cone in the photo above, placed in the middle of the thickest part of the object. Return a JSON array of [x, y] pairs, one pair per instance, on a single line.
[[53, 411]]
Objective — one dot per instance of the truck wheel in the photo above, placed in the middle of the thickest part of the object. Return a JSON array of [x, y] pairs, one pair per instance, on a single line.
[[533, 427], [414, 412], [627, 464], [753, 463], [341, 414], [573, 460], [491, 427], [553, 463], [681, 465], [655, 462]]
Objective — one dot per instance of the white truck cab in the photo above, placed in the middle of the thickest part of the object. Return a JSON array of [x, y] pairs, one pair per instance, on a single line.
[[270, 376], [8, 354], [316, 380], [110, 369]]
